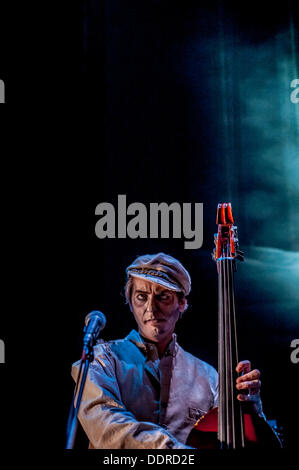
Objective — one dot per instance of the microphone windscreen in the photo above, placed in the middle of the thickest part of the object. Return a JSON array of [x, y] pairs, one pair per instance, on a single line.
[[96, 313]]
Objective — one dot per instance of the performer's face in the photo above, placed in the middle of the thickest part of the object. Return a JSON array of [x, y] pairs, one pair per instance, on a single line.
[[156, 310]]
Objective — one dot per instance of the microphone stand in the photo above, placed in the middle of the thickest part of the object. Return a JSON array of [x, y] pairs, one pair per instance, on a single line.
[[86, 359]]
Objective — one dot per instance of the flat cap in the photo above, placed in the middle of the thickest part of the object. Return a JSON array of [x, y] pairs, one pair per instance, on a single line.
[[162, 269]]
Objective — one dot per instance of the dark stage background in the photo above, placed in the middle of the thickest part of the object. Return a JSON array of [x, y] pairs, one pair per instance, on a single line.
[[182, 102]]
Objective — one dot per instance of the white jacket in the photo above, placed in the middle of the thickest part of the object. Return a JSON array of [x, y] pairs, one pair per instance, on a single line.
[[133, 400]]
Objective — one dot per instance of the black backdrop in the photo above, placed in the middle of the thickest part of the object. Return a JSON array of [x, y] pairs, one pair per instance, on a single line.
[[177, 102]]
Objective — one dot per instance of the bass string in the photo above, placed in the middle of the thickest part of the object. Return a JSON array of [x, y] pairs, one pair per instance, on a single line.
[[230, 369], [221, 357], [232, 350], [230, 435], [225, 371], [235, 340]]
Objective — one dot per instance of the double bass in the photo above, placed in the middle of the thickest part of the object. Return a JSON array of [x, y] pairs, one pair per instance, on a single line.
[[233, 424]]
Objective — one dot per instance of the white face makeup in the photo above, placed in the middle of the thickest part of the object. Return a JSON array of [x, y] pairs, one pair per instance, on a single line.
[[156, 310]]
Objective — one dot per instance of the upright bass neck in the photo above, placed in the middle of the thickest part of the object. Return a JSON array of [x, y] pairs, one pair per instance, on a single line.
[[230, 418]]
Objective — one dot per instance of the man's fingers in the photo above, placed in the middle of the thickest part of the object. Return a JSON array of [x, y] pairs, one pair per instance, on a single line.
[[242, 397], [252, 375], [252, 385], [243, 366], [253, 396]]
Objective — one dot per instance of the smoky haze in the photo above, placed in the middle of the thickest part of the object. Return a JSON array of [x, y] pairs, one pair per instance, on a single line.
[[270, 143], [248, 86]]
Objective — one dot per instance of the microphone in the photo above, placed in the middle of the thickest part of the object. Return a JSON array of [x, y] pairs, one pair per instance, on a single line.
[[95, 322]]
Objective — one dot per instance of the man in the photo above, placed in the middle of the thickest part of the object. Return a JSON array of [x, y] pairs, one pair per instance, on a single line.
[[145, 391]]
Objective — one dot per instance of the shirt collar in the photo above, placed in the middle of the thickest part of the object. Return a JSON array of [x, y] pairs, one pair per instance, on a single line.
[[144, 346]]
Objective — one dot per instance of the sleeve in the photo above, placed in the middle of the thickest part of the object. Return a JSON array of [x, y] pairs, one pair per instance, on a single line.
[[104, 418], [215, 389], [257, 405], [214, 384]]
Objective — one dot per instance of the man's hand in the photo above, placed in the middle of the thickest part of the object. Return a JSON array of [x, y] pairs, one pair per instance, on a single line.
[[249, 380]]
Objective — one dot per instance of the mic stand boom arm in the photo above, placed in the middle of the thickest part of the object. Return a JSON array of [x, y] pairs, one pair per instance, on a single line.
[[86, 359]]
